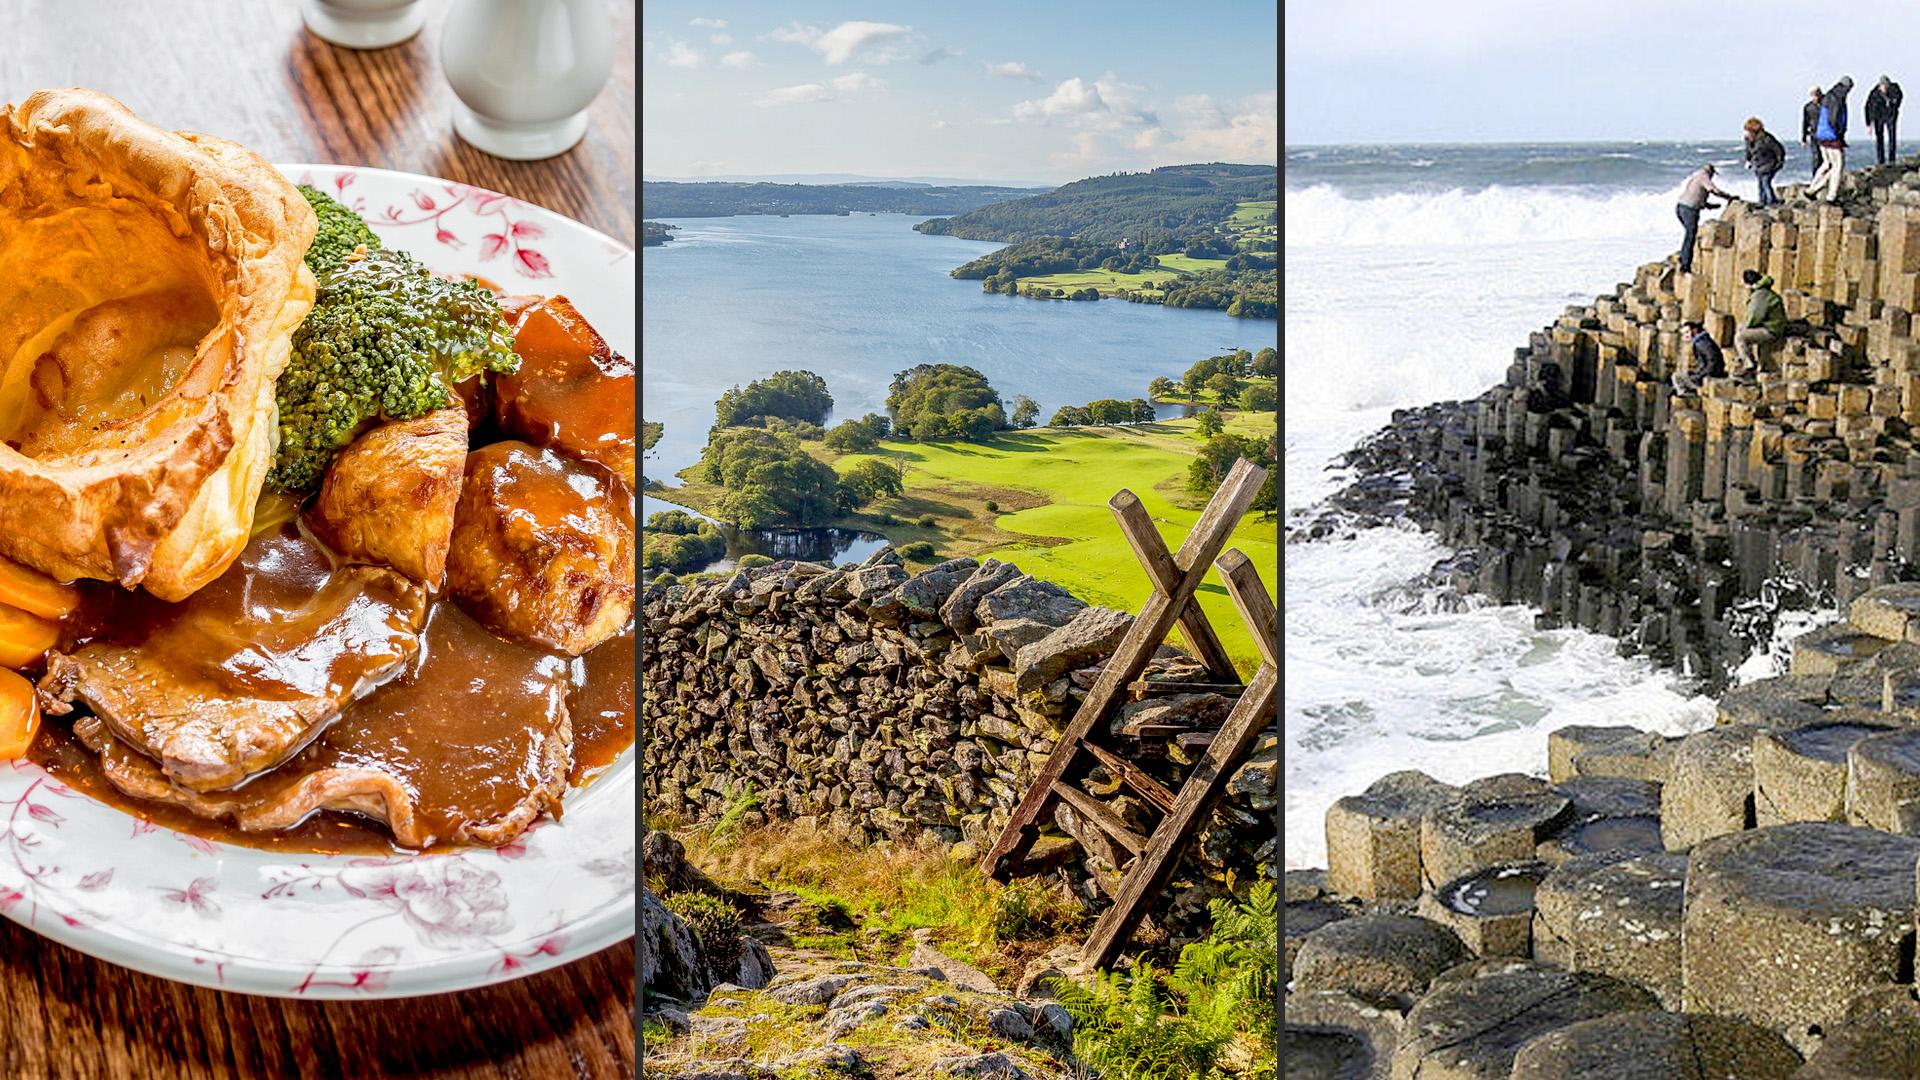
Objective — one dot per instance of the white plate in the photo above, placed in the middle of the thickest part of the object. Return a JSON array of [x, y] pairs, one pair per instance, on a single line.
[[290, 925]]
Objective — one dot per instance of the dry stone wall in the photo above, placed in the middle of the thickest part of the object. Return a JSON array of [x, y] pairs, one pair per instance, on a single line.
[[1586, 486], [909, 706]]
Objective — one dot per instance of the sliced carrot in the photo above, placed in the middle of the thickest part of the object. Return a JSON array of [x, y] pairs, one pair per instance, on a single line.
[[19, 716], [34, 592], [24, 638]]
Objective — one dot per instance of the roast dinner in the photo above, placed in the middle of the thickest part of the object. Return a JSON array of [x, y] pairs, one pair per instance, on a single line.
[[301, 545]]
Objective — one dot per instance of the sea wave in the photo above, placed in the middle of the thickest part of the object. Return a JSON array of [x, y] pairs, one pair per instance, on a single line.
[[1322, 215]]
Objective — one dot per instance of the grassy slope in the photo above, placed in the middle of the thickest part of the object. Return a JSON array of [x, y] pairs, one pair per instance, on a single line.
[[1106, 281], [1186, 264], [1052, 489]]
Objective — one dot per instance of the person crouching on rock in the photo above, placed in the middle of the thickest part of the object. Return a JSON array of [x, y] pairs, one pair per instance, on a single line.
[[1883, 116], [1766, 322], [1705, 360], [1694, 194], [1765, 155], [1830, 134], [1809, 123]]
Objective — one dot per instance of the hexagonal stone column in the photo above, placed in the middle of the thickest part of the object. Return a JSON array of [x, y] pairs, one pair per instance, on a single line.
[[1800, 774], [1620, 918], [1782, 925], [1476, 832], [1470, 1028], [1340, 1035], [1619, 835], [1373, 839], [1880, 1036], [1657, 1046], [1711, 790], [1379, 956], [1491, 909], [1620, 751], [1830, 648], [1883, 782], [1889, 611]]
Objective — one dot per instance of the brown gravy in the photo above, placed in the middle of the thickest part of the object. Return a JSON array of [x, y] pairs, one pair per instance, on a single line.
[[463, 729]]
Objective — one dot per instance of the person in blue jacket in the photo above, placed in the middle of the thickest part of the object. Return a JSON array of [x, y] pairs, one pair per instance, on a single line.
[[1830, 135]]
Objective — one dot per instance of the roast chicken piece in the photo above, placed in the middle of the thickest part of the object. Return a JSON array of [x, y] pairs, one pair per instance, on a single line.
[[389, 496], [237, 678], [573, 393], [469, 746], [150, 282], [543, 547]]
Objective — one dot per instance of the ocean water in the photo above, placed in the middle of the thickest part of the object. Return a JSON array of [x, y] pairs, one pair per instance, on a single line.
[[1411, 275], [859, 298]]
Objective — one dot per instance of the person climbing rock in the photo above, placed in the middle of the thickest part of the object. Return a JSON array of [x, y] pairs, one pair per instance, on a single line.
[[1695, 195], [1704, 360], [1809, 121], [1830, 134], [1765, 155], [1883, 115], [1766, 322]]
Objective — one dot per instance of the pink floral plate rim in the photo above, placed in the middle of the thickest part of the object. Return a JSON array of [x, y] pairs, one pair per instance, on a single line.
[[300, 925]]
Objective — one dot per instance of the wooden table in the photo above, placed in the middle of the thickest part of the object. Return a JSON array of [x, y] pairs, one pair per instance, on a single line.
[[247, 70]]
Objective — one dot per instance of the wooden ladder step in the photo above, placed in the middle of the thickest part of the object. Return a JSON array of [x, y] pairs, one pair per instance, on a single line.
[[1143, 785], [1098, 815]]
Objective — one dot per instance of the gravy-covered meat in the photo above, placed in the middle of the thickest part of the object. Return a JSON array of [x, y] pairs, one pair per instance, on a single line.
[[389, 496], [468, 746], [602, 706], [238, 677], [543, 547], [573, 392]]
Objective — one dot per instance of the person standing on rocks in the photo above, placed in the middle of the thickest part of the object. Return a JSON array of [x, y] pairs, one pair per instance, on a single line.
[[1766, 322], [1765, 155], [1707, 361], [1883, 115], [1694, 195], [1809, 122], [1830, 134]]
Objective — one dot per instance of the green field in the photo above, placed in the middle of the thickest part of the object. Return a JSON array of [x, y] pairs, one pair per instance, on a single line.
[[1186, 264], [1052, 488], [1107, 282]]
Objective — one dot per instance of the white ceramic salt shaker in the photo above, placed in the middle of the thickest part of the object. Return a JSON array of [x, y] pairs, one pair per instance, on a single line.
[[525, 71], [364, 24]]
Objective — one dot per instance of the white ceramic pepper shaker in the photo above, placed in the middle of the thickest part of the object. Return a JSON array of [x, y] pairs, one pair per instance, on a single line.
[[525, 71], [364, 24]]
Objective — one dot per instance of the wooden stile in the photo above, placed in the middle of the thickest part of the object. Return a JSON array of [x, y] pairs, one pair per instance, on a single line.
[[1175, 578]]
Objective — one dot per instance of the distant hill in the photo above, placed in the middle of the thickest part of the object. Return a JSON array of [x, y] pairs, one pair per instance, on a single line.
[[668, 199], [851, 178], [1175, 199]]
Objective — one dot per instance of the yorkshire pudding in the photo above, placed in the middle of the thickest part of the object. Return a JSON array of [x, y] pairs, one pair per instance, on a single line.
[[149, 283]]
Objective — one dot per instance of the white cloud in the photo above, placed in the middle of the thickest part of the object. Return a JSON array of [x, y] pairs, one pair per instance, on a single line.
[[682, 55], [741, 59], [720, 39], [1105, 104], [1247, 133], [1070, 98], [854, 82], [710, 24], [882, 41], [1012, 69]]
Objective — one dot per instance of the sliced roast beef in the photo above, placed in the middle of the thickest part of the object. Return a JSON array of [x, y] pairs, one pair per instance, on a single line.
[[468, 746], [244, 673]]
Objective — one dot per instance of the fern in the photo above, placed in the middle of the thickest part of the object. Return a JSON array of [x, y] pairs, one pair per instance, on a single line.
[[740, 800], [1126, 1029], [1231, 978]]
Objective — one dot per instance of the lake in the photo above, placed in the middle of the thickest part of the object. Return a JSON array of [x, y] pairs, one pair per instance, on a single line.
[[856, 299]]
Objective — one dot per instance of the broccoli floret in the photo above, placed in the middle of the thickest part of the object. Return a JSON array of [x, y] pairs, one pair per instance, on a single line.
[[341, 231], [385, 340]]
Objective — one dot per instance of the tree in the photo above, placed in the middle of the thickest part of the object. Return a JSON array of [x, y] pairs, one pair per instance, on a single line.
[[868, 481], [768, 479], [1200, 372], [1209, 423], [1143, 411], [650, 433], [1025, 411], [1239, 364], [1225, 387], [1160, 387], [1218, 456], [1070, 416], [792, 395], [1258, 397], [858, 436], [937, 392], [1266, 362], [1110, 411]]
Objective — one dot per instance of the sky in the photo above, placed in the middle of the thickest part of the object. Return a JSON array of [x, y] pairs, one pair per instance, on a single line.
[[1363, 71], [986, 90]]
